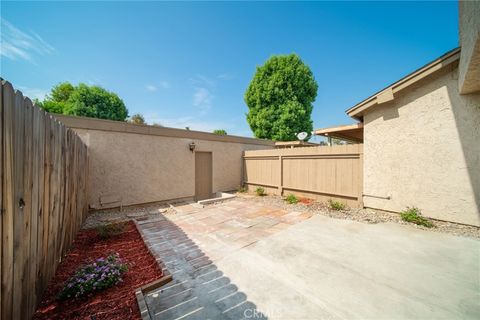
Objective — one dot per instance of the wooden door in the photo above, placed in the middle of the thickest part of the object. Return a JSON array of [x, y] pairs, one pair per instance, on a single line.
[[203, 175]]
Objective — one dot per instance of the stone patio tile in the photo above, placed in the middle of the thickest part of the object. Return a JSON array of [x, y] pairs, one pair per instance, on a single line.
[[307, 215], [228, 208], [185, 208], [264, 221], [237, 235], [223, 233], [293, 213], [190, 243], [210, 220], [214, 210], [244, 241], [254, 214], [192, 228], [277, 213], [237, 223], [278, 227], [290, 220], [201, 215], [263, 226]]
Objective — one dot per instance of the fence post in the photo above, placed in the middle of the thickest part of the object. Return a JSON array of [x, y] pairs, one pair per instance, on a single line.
[[280, 177], [360, 179], [242, 178]]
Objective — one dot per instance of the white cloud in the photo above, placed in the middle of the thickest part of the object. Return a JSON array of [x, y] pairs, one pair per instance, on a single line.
[[201, 80], [33, 93], [226, 76], [151, 88], [164, 84], [94, 81], [19, 45], [159, 85], [202, 98]]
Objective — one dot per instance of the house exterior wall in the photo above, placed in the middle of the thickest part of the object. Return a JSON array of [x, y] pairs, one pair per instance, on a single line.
[[469, 27], [142, 168], [423, 149]]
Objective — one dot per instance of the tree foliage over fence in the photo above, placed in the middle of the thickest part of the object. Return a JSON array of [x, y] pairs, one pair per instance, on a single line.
[[220, 132], [280, 98], [137, 118], [85, 101]]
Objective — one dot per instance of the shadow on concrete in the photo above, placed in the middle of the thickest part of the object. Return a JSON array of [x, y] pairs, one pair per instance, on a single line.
[[199, 290]]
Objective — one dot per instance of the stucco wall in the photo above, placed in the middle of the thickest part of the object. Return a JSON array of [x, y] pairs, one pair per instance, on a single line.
[[469, 20], [143, 168], [423, 149]]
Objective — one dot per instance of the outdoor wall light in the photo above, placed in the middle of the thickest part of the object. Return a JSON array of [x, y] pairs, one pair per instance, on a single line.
[[191, 145]]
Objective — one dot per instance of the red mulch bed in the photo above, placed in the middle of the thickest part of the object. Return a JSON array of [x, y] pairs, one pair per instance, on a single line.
[[305, 201], [117, 302]]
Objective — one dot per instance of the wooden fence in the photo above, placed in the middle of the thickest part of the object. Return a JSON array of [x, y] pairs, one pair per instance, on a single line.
[[43, 199], [320, 173]]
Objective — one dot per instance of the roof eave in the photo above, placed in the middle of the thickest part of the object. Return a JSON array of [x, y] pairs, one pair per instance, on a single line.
[[388, 94]]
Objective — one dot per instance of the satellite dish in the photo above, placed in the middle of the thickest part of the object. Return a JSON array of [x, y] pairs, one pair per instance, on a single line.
[[302, 135]]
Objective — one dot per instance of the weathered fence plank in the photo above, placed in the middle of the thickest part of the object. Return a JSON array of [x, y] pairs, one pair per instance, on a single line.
[[2, 210], [27, 197], [8, 200], [19, 201], [321, 173], [43, 199]]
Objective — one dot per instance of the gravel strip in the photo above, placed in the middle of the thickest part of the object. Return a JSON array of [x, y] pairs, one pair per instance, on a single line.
[[363, 215]]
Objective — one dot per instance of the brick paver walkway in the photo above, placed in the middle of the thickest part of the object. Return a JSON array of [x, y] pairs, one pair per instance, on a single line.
[[191, 240]]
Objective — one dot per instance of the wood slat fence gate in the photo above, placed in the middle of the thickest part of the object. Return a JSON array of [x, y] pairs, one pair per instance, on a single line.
[[321, 173], [43, 199]]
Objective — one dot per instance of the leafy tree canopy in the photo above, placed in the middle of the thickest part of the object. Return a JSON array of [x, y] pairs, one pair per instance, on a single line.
[[220, 132], [280, 98], [62, 92], [137, 118], [85, 101]]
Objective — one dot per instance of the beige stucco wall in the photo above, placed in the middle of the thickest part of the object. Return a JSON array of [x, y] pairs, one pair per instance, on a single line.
[[423, 149], [142, 164], [469, 27], [146, 168]]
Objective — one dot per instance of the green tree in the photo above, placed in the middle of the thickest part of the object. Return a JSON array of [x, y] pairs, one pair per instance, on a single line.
[[85, 101], [51, 106], [280, 98], [96, 102], [61, 92], [137, 118], [220, 132]]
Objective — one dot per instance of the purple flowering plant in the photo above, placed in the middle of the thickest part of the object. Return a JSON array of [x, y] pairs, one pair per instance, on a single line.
[[101, 274]]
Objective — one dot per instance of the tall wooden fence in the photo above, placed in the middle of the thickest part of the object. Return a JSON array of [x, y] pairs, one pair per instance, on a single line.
[[43, 199], [321, 173]]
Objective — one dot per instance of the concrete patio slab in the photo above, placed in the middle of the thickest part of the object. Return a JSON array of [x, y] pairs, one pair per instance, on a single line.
[[336, 269], [256, 261]]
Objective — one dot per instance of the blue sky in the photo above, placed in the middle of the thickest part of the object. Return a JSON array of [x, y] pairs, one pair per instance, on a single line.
[[189, 63]]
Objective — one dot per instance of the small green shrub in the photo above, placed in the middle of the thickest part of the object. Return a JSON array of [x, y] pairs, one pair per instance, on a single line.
[[414, 215], [242, 189], [101, 274], [336, 205], [110, 230], [292, 199], [260, 192]]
